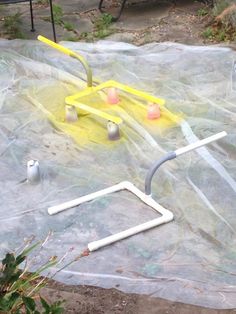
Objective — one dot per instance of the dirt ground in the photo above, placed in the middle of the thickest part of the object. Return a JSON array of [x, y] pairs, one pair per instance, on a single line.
[[145, 22], [94, 300], [142, 22]]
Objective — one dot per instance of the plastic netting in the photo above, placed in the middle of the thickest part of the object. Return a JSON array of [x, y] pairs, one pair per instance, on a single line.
[[193, 258]]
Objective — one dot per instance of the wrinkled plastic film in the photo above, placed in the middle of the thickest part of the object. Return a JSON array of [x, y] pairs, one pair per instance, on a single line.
[[191, 259]]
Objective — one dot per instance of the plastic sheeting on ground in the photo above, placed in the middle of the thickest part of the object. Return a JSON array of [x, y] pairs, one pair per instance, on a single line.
[[193, 258]]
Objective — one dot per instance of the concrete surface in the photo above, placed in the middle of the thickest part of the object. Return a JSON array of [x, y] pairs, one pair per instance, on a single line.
[[142, 22]]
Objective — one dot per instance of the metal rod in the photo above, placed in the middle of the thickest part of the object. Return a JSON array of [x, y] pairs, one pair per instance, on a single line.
[[32, 17], [52, 21]]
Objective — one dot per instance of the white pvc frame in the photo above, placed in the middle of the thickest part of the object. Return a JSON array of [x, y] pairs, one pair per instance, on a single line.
[[166, 215]]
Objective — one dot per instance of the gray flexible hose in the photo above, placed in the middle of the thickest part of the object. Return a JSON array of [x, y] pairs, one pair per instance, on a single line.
[[153, 169]]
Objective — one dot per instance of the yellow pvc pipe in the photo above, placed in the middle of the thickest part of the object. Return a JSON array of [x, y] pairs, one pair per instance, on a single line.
[[107, 84], [73, 99], [97, 112], [71, 54], [135, 92], [125, 88]]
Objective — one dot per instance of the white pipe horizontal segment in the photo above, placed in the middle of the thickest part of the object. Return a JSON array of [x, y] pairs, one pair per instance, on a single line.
[[59, 208], [92, 246], [200, 143]]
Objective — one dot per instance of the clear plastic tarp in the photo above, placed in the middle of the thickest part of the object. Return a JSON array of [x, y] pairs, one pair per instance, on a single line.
[[191, 259]]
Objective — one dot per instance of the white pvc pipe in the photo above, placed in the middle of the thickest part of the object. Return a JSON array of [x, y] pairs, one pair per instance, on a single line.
[[167, 216], [59, 208], [200, 143], [92, 246]]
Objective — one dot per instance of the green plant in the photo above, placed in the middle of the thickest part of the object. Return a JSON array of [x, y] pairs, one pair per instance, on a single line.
[[70, 38], [87, 36], [42, 2], [102, 33], [69, 26], [220, 6], [202, 12], [208, 33], [102, 26], [104, 21], [221, 35], [58, 14], [223, 25], [20, 289], [12, 24]]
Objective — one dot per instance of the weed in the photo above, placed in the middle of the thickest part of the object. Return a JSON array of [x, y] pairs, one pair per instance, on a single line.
[[12, 24], [220, 6], [202, 12], [70, 38], [69, 26], [223, 25], [208, 33], [57, 14], [42, 2], [20, 290], [101, 28], [89, 37], [102, 33], [103, 22], [221, 36], [58, 18]]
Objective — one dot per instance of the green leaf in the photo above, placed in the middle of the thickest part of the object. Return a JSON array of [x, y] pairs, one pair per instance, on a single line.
[[4, 304], [8, 301], [29, 303], [45, 305], [14, 277], [13, 299], [9, 259], [27, 251], [20, 259], [56, 308], [59, 310]]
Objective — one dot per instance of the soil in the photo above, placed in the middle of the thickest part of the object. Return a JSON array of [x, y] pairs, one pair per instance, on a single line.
[[181, 24], [150, 21], [94, 300]]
